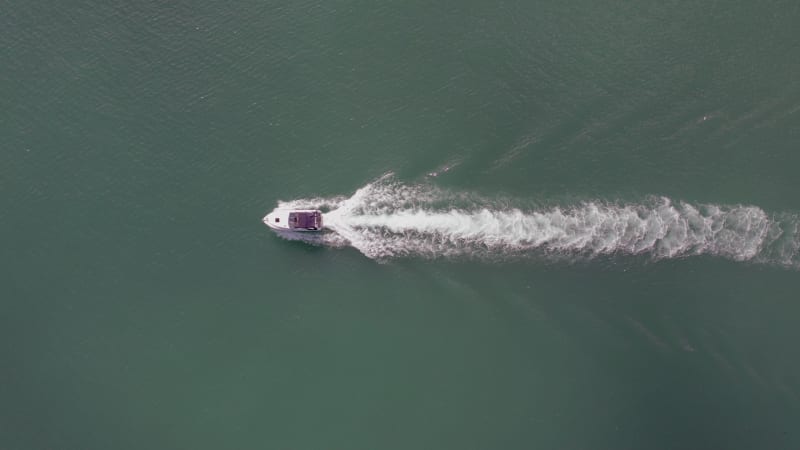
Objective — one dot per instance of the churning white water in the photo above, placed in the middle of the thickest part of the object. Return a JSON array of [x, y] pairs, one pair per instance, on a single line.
[[387, 219]]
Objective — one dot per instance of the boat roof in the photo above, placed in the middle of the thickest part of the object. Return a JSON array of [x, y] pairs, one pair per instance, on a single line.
[[305, 219]]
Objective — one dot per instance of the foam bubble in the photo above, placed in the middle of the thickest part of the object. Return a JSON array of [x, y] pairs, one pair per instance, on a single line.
[[387, 219]]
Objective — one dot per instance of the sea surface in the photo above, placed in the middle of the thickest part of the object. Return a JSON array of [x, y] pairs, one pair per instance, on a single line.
[[549, 224]]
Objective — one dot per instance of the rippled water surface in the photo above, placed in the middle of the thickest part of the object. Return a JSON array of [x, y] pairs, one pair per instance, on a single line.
[[548, 225]]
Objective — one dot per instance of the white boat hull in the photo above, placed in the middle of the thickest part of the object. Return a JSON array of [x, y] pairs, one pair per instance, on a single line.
[[302, 220]]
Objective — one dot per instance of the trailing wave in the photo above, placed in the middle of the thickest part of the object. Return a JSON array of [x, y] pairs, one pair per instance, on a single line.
[[387, 219]]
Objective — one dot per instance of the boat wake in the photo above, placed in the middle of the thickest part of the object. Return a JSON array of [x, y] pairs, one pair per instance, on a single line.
[[388, 219]]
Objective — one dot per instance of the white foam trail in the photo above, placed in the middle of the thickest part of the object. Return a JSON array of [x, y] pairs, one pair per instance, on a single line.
[[387, 219]]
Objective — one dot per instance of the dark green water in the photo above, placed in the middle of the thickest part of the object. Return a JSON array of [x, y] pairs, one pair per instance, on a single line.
[[144, 304]]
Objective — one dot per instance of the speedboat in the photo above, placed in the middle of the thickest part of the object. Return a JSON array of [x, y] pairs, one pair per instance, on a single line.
[[294, 220]]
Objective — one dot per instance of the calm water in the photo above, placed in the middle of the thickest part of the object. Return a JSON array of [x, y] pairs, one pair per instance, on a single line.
[[564, 225]]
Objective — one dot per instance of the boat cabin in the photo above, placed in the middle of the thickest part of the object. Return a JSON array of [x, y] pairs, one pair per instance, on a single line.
[[305, 220]]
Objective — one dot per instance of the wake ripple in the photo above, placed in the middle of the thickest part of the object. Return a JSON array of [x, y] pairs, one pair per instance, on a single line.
[[387, 219]]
